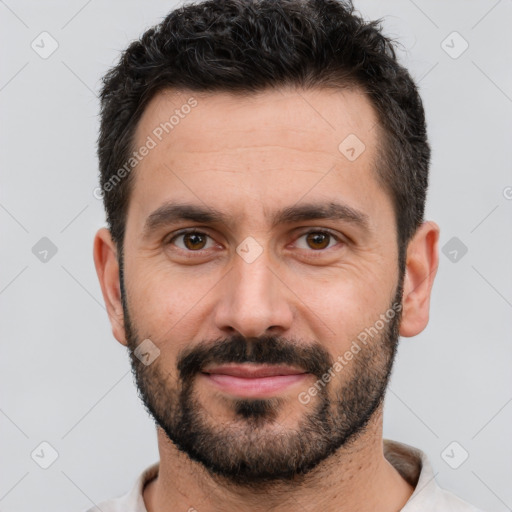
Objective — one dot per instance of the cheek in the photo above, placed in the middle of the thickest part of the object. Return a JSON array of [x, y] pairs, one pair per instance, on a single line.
[[343, 308], [166, 308], [163, 297], [346, 288]]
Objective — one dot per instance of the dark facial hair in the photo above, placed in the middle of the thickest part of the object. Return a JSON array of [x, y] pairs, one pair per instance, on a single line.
[[254, 449]]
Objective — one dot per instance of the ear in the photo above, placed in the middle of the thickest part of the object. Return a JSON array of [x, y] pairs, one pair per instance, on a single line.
[[107, 268], [421, 268]]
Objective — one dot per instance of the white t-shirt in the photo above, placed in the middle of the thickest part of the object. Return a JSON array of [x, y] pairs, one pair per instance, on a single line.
[[410, 462]]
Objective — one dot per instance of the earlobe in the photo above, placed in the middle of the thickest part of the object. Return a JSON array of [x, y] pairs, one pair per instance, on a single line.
[[107, 269], [421, 268]]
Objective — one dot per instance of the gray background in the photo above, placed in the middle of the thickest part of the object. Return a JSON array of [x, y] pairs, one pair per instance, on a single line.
[[63, 377]]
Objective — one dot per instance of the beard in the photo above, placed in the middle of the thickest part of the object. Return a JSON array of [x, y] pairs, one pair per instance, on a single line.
[[253, 449]]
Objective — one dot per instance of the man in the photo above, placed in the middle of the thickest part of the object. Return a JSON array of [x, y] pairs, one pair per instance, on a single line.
[[264, 167]]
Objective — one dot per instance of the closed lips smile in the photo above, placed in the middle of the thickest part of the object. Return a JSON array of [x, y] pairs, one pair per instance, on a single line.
[[252, 380]]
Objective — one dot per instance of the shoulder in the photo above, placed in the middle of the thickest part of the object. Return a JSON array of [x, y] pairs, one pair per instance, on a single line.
[[414, 466], [453, 503], [133, 500]]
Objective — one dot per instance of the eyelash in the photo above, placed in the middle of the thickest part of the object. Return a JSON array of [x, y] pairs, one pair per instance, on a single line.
[[200, 251]]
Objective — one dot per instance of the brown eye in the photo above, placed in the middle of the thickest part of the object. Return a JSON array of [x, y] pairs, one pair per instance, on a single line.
[[318, 240], [192, 241]]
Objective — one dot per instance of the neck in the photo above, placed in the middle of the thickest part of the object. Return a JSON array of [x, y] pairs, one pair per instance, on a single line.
[[356, 477]]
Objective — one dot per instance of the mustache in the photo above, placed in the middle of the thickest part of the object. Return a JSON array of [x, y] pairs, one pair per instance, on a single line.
[[312, 358]]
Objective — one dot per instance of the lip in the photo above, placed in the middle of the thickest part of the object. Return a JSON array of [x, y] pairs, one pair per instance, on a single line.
[[252, 371], [253, 381]]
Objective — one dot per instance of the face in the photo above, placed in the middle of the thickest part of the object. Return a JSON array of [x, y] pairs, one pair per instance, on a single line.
[[260, 260]]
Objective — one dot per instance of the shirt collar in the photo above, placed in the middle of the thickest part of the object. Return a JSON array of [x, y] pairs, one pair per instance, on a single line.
[[412, 464]]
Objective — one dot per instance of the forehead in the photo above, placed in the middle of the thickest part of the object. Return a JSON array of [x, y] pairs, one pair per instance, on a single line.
[[296, 116], [243, 153]]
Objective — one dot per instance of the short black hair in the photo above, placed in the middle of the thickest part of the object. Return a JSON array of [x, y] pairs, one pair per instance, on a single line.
[[248, 46]]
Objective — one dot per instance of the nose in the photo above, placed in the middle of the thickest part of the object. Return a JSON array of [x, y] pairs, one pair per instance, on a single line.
[[255, 300]]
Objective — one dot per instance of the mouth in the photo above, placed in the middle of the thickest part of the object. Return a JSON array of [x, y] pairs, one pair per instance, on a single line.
[[253, 380]]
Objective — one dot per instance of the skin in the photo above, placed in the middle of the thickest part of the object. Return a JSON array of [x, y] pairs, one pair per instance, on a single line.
[[249, 157]]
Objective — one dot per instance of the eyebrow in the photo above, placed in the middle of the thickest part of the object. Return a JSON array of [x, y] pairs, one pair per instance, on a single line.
[[172, 213]]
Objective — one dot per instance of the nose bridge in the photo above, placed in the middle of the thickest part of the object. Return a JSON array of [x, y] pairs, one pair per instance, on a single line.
[[253, 299]]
